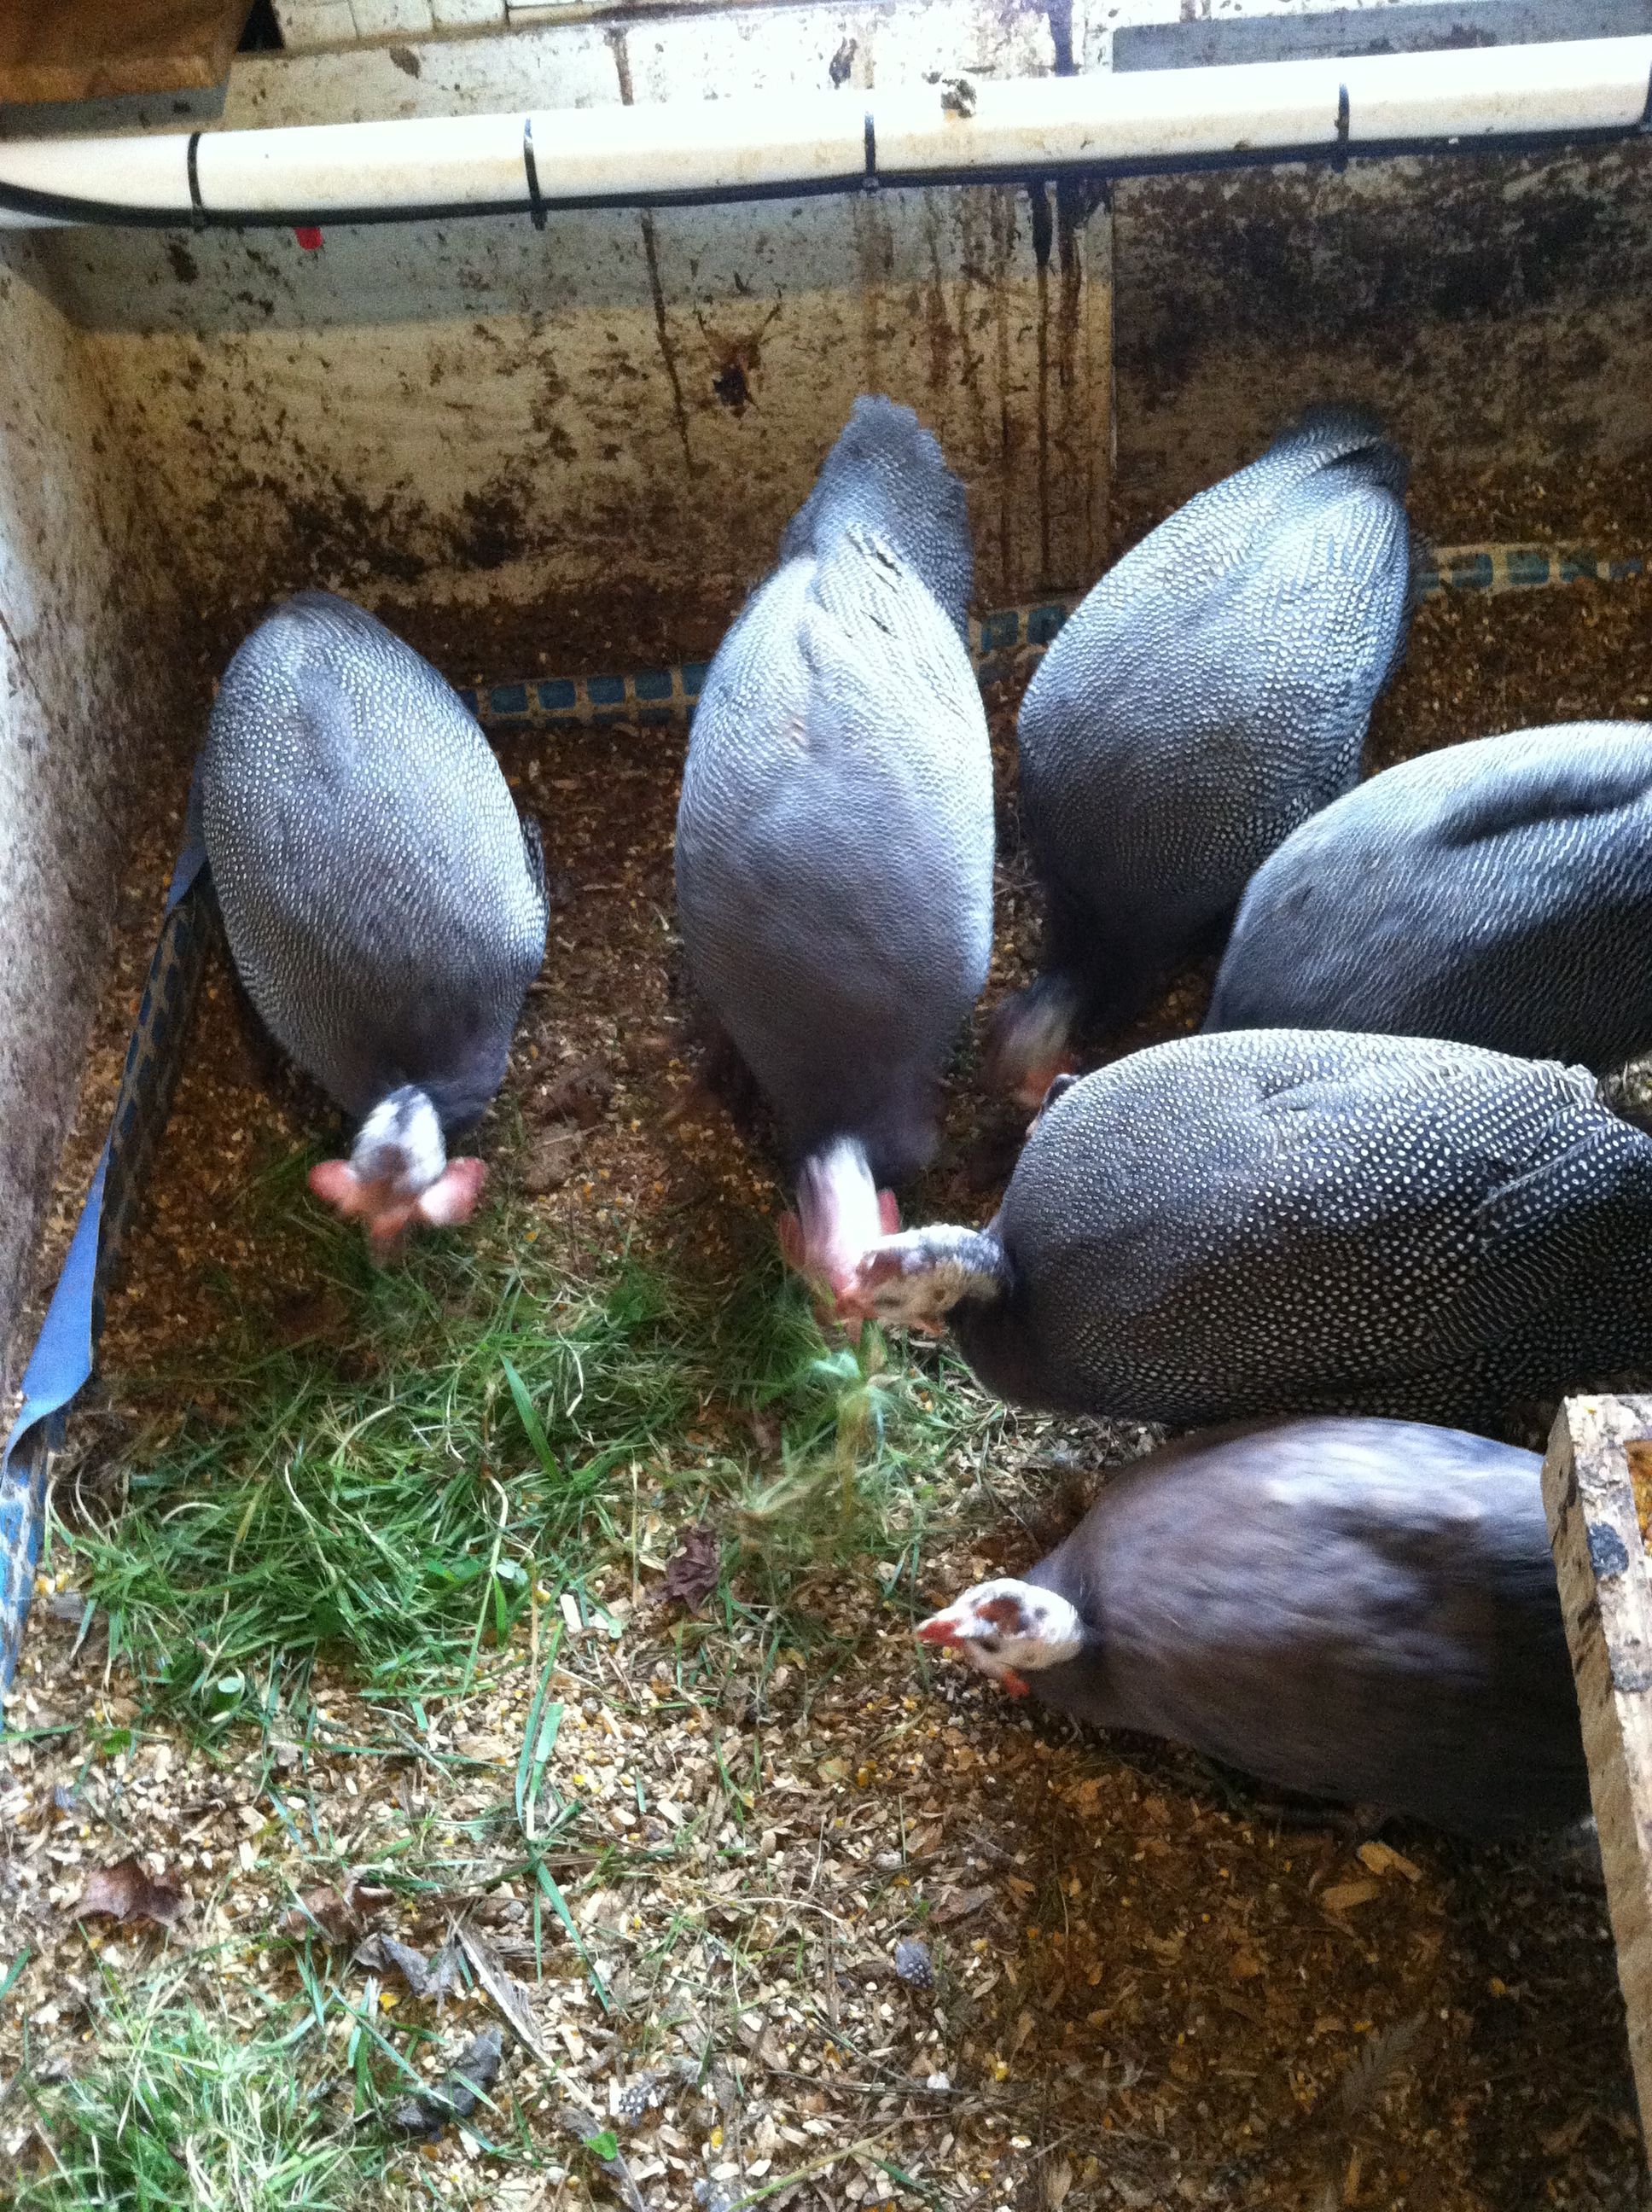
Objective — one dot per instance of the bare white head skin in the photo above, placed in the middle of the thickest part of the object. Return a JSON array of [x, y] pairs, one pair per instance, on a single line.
[[913, 1280], [841, 1211], [1007, 1630], [398, 1175]]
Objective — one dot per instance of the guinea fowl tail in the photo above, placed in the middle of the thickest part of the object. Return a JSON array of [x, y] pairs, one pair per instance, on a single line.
[[1340, 436], [886, 475]]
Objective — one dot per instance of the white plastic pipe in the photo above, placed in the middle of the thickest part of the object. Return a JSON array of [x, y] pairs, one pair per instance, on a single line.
[[713, 149]]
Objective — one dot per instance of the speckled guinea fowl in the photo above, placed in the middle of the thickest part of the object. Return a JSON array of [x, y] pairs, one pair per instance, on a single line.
[[1269, 1221], [834, 837], [1498, 892], [1358, 1610], [384, 901], [1211, 692]]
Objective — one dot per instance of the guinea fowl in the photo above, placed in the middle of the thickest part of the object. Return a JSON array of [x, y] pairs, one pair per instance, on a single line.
[[1211, 692], [835, 835], [1499, 893], [384, 902], [1358, 1610], [1269, 1221]]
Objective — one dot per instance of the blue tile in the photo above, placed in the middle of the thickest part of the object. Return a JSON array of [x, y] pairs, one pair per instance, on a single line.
[[557, 694], [656, 717], [1578, 567], [654, 683], [1044, 623], [606, 690], [1528, 567], [1631, 565], [508, 699], [999, 630], [1474, 573], [693, 678], [467, 700]]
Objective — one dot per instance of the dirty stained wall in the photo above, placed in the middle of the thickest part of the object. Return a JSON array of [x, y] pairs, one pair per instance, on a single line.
[[642, 399], [1496, 310], [85, 612], [481, 415]]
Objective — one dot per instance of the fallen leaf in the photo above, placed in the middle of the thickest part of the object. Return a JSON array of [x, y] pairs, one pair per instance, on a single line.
[[551, 1162], [1378, 2063], [692, 1574], [382, 1954], [508, 1994], [1058, 2179], [305, 1315], [125, 1892], [578, 1094], [474, 2071], [958, 1904], [320, 1911]]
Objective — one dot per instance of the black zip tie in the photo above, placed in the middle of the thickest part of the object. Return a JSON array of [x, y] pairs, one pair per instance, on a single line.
[[1339, 158], [869, 183], [534, 201], [197, 205]]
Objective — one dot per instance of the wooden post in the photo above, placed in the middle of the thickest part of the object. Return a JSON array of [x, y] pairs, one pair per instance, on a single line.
[[1597, 1490]]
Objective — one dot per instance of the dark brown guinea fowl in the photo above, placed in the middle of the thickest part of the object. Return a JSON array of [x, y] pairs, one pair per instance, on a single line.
[[1360, 1611]]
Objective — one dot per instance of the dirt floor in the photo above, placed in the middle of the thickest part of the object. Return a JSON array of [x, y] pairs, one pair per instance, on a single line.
[[1137, 1985]]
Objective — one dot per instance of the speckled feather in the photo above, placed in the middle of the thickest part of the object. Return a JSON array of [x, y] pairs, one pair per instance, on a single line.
[[1281, 1220], [835, 837], [383, 900], [1211, 692], [1359, 1610], [1498, 892]]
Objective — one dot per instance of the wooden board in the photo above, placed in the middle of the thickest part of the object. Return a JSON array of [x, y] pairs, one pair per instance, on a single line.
[[53, 49], [1597, 1490]]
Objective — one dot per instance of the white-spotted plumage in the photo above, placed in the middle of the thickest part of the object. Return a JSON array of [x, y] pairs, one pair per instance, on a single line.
[[1210, 692], [1498, 892], [1361, 1610], [383, 901], [1264, 1221]]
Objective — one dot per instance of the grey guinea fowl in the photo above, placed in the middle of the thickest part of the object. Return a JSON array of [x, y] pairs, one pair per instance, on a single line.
[[384, 902], [1358, 1610], [1498, 892], [835, 837], [1211, 692], [1270, 1221]]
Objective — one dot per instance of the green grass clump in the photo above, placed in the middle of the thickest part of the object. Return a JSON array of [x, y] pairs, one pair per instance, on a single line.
[[390, 1498], [470, 1430], [183, 2106]]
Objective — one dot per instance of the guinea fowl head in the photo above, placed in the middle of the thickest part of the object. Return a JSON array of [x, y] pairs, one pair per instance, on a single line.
[[841, 1211], [398, 1175], [915, 1280], [1007, 1630]]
